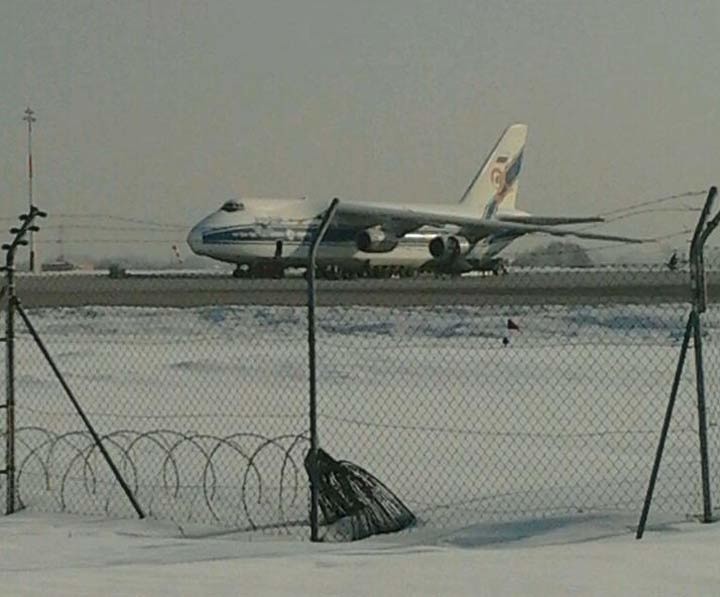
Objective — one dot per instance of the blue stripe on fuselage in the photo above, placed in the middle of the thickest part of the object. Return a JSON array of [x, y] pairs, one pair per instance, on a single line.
[[301, 234]]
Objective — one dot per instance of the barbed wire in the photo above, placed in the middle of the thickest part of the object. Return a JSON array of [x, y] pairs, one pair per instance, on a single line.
[[133, 416], [63, 227], [654, 211], [485, 433], [112, 241], [656, 201], [148, 223]]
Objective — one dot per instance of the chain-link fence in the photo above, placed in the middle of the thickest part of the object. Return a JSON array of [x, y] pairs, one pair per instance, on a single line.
[[535, 394], [471, 413]]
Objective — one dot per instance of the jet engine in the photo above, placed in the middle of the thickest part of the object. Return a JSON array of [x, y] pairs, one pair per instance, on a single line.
[[376, 240], [449, 247]]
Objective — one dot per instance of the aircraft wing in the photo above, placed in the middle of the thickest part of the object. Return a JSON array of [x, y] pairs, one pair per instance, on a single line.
[[404, 219]]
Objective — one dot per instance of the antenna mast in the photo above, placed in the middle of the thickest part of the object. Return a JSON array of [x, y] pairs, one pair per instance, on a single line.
[[30, 118]]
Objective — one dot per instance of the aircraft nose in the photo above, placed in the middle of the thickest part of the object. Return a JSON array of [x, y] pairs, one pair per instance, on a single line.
[[195, 240]]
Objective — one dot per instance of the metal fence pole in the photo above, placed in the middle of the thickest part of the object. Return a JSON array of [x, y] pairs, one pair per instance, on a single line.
[[26, 227], [702, 232], [314, 443], [703, 229], [10, 383], [665, 429], [702, 419]]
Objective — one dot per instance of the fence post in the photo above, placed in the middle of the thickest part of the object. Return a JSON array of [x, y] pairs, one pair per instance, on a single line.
[[314, 443], [702, 419], [9, 405], [703, 229], [699, 306]]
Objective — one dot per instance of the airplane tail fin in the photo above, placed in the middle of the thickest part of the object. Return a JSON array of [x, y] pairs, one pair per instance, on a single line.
[[496, 183]]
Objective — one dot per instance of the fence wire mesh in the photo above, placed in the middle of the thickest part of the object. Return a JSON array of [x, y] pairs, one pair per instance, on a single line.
[[189, 402], [536, 394], [466, 419]]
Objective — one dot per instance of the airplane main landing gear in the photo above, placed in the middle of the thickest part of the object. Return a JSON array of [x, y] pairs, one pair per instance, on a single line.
[[259, 270], [499, 268]]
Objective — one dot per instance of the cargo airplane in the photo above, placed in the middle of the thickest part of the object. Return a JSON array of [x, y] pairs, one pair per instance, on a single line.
[[263, 237]]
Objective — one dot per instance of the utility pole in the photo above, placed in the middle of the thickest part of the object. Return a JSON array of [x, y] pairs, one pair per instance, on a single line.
[[30, 118]]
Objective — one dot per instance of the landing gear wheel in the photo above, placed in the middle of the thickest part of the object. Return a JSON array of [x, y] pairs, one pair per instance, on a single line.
[[499, 268]]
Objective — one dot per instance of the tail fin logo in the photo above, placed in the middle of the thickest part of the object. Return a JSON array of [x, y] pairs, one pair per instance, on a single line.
[[498, 178], [503, 176]]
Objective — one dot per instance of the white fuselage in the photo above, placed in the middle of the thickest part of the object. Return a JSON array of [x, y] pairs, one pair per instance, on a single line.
[[252, 231]]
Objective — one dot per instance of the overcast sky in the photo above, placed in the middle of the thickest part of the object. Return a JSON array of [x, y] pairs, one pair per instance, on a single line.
[[160, 110]]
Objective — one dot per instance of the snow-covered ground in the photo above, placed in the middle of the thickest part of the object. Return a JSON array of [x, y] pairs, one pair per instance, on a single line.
[[205, 410], [63, 555]]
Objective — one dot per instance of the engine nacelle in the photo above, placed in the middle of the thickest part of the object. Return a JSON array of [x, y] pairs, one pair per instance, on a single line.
[[376, 240], [449, 247]]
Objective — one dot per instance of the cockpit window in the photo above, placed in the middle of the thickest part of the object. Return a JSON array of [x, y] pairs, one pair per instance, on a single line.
[[232, 205]]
